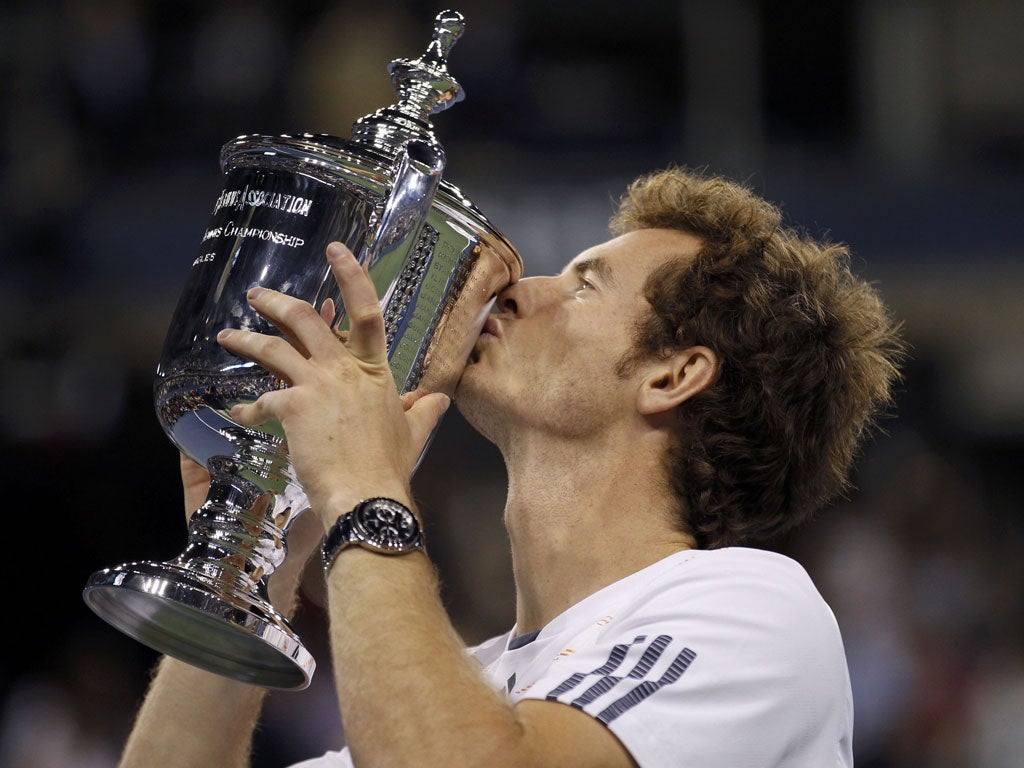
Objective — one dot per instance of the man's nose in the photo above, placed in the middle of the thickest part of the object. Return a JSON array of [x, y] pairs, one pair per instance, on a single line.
[[523, 297]]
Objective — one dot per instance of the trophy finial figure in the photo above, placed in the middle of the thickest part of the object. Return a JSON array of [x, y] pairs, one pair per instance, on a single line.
[[448, 28], [424, 87]]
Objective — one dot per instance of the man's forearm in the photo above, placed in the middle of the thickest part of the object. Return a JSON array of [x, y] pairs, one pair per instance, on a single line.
[[192, 718], [409, 693]]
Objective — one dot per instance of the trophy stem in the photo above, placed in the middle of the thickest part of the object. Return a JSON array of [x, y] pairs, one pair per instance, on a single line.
[[209, 606]]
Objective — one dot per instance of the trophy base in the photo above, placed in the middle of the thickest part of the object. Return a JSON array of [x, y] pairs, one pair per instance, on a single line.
[[164, 606]]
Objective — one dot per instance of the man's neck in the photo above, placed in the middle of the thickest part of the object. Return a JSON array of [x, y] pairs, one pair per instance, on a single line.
[[581, 517]]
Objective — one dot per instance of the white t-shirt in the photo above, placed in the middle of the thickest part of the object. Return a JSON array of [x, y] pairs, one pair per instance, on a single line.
[[725, 657]]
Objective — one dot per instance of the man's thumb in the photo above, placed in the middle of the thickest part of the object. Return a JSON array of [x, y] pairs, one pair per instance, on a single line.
[[425, 414]]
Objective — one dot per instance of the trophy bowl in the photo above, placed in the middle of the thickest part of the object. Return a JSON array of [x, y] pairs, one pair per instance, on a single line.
[[437, 264]]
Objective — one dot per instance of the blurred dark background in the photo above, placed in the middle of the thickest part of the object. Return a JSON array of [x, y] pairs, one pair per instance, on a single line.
[[896, 126]]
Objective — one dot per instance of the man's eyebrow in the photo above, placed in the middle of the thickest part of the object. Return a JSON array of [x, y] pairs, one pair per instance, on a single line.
[[598, 266]]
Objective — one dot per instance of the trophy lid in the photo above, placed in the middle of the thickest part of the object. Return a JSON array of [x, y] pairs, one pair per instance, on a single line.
[[424, 87]]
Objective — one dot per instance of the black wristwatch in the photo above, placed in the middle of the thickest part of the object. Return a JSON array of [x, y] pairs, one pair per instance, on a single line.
[[379, 524]]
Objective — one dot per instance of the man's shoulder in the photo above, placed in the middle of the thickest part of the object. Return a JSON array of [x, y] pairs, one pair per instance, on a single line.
[[762, 574], [735, 591], [753, 569], [719, 599]]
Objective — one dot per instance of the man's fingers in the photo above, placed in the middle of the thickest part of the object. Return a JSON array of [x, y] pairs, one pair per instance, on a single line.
[[366, 338], [409, 398], [296, 319], [424, 414], [328, 310], [272, 352], [256, 412], [309, 330]]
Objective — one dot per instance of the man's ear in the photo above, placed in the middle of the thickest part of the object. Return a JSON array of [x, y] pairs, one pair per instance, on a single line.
[[676, 379]]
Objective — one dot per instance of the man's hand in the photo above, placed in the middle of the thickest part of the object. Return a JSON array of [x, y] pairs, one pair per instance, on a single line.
[[349, 434]]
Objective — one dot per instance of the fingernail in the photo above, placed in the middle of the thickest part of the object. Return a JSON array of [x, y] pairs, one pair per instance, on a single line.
[[254, 293], [224, 334]]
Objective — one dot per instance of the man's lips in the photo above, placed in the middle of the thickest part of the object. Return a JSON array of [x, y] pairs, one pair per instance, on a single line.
[[491, 329], [491, 326]]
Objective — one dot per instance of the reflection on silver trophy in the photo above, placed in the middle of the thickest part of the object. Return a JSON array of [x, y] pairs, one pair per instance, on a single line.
[[437, 263]]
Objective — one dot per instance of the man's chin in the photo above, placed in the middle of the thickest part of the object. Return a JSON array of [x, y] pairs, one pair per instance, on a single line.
[[474, 401]]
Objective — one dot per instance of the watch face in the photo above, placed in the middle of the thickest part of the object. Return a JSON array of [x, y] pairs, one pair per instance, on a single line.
[[388, 525]]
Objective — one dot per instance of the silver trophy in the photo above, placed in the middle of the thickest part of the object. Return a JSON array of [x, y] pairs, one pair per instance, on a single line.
[[437, 263]]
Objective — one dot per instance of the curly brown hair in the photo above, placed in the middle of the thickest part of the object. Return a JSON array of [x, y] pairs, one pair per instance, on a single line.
[[808, 355]]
